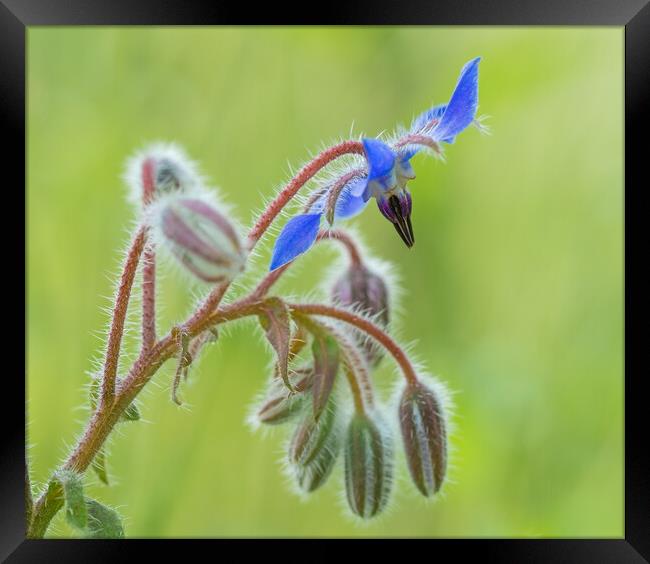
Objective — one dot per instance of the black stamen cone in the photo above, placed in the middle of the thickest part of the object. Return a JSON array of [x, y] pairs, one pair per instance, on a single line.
[[402, 221]]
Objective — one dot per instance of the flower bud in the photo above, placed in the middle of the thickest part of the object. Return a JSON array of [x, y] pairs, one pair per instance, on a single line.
[[313, 475], [363, 288], [368, 465], [312, 435], [425, 437], [202, 239], [160, 169], [280, 405]]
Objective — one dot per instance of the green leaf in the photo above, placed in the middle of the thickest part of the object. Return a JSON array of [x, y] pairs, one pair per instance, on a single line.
[[75, 506], [326, 364], [103, 522], [276, 323], [99, 466]]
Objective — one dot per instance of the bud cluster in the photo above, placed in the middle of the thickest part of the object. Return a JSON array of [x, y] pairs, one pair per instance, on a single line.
[[185, 220], [179, 216], [323, 429]]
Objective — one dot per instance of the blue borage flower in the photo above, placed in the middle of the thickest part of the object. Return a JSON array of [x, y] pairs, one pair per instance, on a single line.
[[387, 174]]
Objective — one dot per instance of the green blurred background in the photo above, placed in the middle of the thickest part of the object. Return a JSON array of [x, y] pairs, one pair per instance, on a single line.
[[513, 292]]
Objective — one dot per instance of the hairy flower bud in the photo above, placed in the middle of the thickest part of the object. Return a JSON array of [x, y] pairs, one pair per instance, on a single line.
[[368, 465], [425, 437], [362, 288], [280, 405], [312, 476], [312, 435], [201, 238], [315, 446], [160, 169]]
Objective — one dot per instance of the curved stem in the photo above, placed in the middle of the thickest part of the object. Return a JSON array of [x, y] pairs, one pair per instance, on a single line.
[[269, 215], [298, 181], [119, 315], [366, 326], [112, 405], [106, 416], [332, 234], [345, 239], [336, 190], [314, 198], [415, 139], [354, 367]]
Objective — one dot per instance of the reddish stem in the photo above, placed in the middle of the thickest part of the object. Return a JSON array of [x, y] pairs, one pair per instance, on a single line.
[[148, 299], [119, 316], [314, 198], [346, 239], [148, 183], [149, 266], [415, 139], [368, 327], [208, 306], [332, 234], [298, 181], [149, 361], [336, 190]]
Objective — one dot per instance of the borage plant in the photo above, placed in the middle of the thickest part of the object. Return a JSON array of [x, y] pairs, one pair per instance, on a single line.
[[347, 335]]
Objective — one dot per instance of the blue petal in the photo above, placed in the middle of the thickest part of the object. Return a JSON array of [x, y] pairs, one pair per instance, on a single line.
[[425, 117], [349, 204], [298, 235], [462, 106], [363, 189], [381, 158]]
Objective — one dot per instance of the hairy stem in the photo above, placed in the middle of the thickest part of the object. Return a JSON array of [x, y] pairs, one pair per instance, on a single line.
[[154, 354], [104, 419], [266, 219], [290, 190], [209, 305], [345, 239], [148, 299], [336, 190], [424, 140], [149, 267], [355, 369], [119, 316], [366, 326]]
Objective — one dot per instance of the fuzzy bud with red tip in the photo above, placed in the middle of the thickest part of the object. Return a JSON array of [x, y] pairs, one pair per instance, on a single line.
[[200, 236], [362, 288], [424, 435]]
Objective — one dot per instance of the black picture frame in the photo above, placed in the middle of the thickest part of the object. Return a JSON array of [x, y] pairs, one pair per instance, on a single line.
[[634, 15]]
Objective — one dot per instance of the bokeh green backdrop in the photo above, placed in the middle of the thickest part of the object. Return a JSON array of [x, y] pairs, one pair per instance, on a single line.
[[513, 292]]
